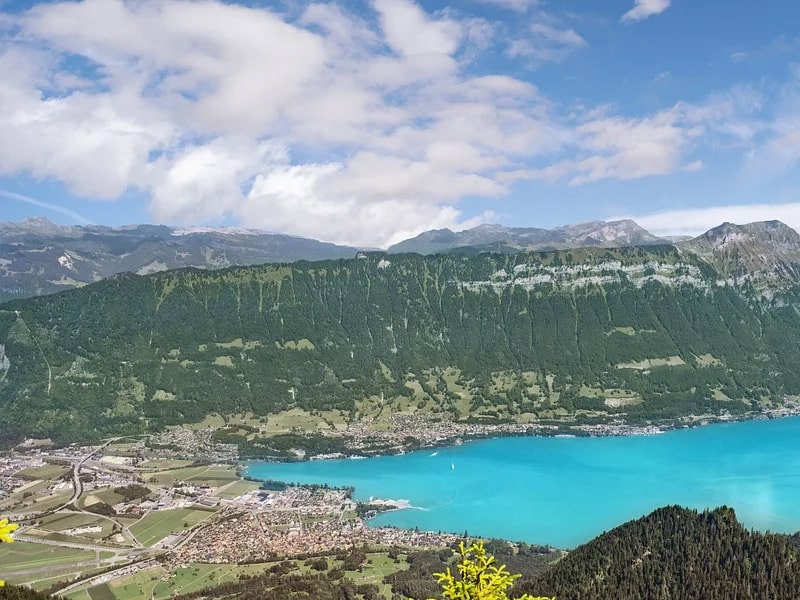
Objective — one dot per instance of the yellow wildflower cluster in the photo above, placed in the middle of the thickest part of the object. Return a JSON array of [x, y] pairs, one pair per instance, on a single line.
[[480, 578], [6, 529]]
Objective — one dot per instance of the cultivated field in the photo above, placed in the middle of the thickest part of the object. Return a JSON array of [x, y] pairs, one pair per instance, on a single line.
[[155, 526]]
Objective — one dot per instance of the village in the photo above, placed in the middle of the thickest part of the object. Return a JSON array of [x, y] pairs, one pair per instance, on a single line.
[[101, 515]]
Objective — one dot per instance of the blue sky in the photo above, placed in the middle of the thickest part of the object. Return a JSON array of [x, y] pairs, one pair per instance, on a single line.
[[366, 122]]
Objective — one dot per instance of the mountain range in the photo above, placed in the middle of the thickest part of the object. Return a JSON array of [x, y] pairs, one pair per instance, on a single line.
[[611, 234], [641, 334], [39, 257]]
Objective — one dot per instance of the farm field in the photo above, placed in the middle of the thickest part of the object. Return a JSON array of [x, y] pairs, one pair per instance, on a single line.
[[23, 555], [46, 471], [56, 575], [154, 527], [61, 522], [138, 585], [209, 475], [237, 489]]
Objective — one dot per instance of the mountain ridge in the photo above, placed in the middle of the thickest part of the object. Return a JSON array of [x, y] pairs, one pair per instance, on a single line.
[[588, 336], [763, 253], [592, 233], [38, 257]]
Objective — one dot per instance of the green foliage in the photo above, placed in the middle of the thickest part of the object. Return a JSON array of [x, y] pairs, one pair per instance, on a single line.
[[14, 592], [133, 491], [134, 354], [479, 577], [677, 553]]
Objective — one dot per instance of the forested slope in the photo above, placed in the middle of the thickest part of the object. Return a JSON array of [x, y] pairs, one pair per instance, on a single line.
[[677, 553], [635, 333]]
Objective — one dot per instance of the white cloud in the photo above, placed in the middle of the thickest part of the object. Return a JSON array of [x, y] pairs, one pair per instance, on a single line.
[[546, 43], [332, 126], [645, 8], [515, 5], [409, 30], [349, 128], [622, 148], [694, 221]]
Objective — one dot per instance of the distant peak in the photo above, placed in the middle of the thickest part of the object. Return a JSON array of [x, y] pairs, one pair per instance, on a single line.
[[43, 221], [750, 229], [488, 227]]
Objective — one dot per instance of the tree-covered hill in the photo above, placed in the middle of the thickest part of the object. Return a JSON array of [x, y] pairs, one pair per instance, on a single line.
[[581, 335], [677, 553], [14, 592]]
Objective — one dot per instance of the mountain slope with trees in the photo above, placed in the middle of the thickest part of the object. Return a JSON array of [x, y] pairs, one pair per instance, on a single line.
[[638, 334], [677, 553]]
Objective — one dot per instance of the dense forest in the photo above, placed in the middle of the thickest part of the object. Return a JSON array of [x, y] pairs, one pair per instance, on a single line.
[[677, 553], [589, 335], [13, 592]]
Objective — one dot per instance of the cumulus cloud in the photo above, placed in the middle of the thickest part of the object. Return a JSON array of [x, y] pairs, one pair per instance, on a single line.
[[409, 30], [546, 43], [611, 147], [645, 8], [607, 146], [351, 127], [343, 127], [515, 5]]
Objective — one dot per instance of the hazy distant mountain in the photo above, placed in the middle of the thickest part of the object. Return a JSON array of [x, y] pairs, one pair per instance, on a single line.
[[40, 257], [763, 253], [610, 234]]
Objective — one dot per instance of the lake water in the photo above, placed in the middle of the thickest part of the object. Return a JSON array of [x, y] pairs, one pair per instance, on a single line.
[[565, 491]]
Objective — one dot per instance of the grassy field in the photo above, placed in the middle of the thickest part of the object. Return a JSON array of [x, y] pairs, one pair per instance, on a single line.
[[138, 585], [209, 475], [46, 471], [154, 527], [198, 576], [649, 363], [22, 555], [35, 504], [193, 578], [237, 489], [163, 464], [41, 581], [62, 521], [109, 496], [379, 565], [101, 592]]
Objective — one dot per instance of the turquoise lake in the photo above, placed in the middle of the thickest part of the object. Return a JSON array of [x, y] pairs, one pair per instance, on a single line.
[[565, 491]]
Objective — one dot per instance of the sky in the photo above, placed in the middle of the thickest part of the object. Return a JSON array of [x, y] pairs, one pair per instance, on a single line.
[[366, 122]]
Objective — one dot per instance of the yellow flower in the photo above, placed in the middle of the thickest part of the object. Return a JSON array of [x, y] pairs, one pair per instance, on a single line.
[[6, 529]]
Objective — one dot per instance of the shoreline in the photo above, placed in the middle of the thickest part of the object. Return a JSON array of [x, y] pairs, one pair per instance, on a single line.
[[389, 504], [468, 432]]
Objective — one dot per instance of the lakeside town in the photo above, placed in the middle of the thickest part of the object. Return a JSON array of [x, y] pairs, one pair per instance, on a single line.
[[104, 514], [111, 513]]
